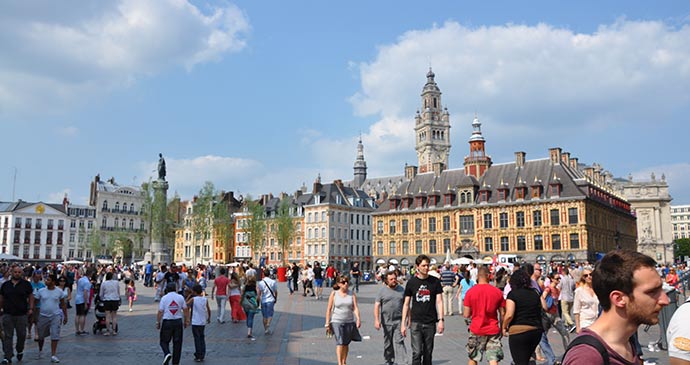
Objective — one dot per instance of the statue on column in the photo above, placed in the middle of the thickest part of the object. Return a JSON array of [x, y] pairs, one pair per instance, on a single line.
[[161, 167]]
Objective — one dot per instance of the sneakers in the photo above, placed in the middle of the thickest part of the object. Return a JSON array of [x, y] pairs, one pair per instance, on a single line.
[[54, 359], [649, 362], [6, 361], [167, 358], [572, 329], [20, 356]]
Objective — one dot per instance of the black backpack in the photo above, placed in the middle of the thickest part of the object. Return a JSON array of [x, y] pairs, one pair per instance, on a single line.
[[594, 342]]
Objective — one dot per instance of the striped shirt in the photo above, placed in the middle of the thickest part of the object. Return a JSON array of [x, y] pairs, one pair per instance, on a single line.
[[447, 277]]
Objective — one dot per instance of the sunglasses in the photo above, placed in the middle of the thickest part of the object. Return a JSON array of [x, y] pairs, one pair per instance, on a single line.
[[586, 275], [344, 282]]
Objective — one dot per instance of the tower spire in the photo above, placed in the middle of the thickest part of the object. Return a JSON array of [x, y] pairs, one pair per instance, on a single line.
[[360, 165], [477, 162], [432, 128]]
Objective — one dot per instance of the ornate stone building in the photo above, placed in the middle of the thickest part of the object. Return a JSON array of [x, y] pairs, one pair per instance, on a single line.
[[549, 209], [650, 202]]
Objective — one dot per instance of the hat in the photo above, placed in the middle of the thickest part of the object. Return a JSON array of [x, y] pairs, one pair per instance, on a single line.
[[38, 272]]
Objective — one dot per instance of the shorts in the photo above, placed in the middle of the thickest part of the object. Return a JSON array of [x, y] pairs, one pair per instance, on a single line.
[[49, 326], [111, 305], [35, 315], [267, 309], [81, 309], [489, 346], [318, 282]]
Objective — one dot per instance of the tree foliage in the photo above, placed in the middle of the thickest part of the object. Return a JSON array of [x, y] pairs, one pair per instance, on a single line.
[[285, 226], [256, 225], [682, 247]]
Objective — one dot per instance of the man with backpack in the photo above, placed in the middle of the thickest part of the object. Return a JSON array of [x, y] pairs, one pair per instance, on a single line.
[[630, 293]]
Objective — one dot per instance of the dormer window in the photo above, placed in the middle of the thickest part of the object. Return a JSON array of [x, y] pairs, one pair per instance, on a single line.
[[536, 191], [556, 189], [520, 193], [447, 199], [502, 194]]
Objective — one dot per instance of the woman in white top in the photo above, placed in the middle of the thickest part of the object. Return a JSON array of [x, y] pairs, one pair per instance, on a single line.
[[110, 295], [586, 304], [201, 316]]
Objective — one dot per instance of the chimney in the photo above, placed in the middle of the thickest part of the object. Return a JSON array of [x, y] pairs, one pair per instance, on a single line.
[[298, 193], [555, 154], [317, 187], [565, 158], [437, 168], [283, 196], [589, 172], [520, 159], [597, 176], [338, 183], [410, 172], [574, 163], [264, 199]]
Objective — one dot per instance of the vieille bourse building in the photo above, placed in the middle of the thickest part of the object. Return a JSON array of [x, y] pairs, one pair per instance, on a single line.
[[548, 209]]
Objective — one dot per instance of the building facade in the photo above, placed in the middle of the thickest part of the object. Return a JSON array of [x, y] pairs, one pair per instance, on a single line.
[[120, 217], [549, 209], [680, 219], [651, 204], [34, 231]]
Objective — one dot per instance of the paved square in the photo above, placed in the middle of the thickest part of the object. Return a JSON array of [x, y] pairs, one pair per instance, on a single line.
[[299, 337]]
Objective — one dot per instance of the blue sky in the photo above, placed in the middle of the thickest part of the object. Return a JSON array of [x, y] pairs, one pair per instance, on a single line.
[[261, 96]]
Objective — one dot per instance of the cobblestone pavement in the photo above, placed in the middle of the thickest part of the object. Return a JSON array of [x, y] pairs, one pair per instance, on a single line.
[[299, 338]]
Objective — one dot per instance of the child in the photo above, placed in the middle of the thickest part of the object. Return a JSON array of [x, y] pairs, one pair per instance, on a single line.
[[201, 315], [131, 293]]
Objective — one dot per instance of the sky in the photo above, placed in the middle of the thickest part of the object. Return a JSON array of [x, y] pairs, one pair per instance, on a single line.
[[264, 96]]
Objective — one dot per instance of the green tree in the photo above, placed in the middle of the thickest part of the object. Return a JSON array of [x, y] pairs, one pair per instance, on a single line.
[[222, 222], [202, 214], [682, 247], [256, 225], [285, 226]]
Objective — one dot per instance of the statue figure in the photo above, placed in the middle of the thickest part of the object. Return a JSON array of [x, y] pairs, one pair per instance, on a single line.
[[161, 167]]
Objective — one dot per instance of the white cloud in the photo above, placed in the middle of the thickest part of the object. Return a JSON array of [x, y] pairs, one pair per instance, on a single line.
[[187, 176], [56, 53], [68, 131], [527, 83], [57, 197], [531, 77]]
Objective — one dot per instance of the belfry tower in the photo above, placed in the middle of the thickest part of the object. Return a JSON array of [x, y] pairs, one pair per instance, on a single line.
[[477, 162], [360, 166], [432, 128]]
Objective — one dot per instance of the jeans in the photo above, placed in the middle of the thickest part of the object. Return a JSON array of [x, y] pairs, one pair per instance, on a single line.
[[448, 300], [558, 324], [250, 320], [199, 342], [221, 299], [147, 280], [289, 285], [172, 329], [394, 343], [356, 283], [546, 349], [10, 324], [422, 341]]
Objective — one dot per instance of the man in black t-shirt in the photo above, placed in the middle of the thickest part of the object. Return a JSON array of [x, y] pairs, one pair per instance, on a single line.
[[426, 314], [355, 274], [172, 277], [16, 301]]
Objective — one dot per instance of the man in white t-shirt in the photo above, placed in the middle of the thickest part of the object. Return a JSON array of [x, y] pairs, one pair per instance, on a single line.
[[173, 314], [251, 271], [53, 315], [678, 335], [268, 289], [160, 285]]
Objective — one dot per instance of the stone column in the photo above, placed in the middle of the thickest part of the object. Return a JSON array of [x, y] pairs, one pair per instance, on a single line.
[[159, 246]]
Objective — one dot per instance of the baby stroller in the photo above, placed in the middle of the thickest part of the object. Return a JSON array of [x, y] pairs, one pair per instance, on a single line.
[[99, 311]]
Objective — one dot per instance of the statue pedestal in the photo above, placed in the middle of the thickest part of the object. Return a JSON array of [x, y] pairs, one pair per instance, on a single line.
[[159, 249]]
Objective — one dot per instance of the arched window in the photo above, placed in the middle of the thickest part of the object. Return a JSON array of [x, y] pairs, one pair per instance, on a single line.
[[105, 204], [309, 232], [131, 207], [117, 206], [323, 232], [117, 222], [435, 106], [124, 207], [131, 224]]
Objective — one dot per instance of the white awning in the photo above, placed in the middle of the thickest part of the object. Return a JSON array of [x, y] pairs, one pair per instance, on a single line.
[[393, 261], [380, 261]]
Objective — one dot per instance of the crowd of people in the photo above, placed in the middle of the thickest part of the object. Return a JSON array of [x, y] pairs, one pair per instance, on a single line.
[[596, 310]]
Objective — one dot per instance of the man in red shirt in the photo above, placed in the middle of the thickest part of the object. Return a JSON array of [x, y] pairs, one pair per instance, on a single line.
[[220, 292], [483, 304], [330, 274]]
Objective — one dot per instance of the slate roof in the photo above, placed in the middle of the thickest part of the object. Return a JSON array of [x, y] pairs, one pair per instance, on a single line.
[[14, 206], [506, 175], [378, 185]]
